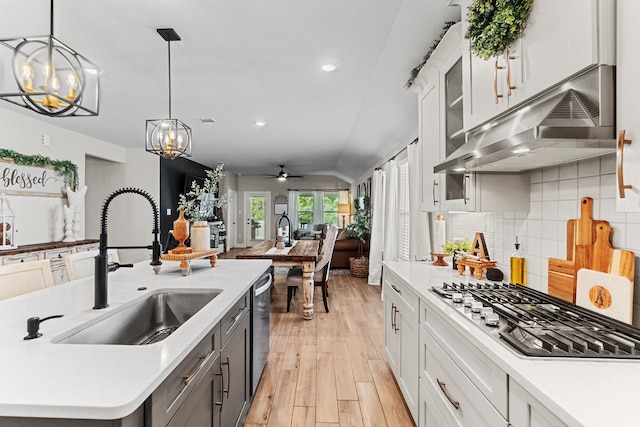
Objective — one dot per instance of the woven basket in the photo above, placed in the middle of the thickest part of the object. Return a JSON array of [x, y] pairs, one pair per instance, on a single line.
[[359, 266]]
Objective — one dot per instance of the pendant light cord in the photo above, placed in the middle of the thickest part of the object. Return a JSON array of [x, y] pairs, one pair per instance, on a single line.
[[169, 49]]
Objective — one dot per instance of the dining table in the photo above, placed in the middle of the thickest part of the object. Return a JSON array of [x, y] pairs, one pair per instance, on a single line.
[[303, 253]]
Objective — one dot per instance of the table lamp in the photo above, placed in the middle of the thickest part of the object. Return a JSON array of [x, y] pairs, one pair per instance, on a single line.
[[344, 209]]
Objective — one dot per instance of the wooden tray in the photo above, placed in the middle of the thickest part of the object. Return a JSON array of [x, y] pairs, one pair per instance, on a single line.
[[184, 259]]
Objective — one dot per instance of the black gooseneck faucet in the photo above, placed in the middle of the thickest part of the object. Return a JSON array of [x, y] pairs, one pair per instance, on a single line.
[[102, 266]]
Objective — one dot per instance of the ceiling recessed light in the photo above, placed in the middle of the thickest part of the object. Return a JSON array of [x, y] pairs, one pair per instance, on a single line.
[[328, 67], [260, 123]]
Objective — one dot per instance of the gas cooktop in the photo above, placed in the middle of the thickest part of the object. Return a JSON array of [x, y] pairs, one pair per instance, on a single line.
[[537, 324]]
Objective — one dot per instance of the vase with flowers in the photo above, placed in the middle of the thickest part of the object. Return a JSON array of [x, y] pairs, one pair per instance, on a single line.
[[457, 249], [199, 205]]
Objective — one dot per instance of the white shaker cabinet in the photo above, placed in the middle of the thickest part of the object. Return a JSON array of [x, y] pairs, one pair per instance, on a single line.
[[401, 337], [440, 126], [561, 39], [429, 139], [627, 107], [526, 411]]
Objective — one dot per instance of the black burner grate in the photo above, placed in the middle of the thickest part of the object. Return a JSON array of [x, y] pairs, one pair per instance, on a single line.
[[538, 324]]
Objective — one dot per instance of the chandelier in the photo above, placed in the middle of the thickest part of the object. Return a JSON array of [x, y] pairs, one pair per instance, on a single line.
[[168, 138], [51, 78]]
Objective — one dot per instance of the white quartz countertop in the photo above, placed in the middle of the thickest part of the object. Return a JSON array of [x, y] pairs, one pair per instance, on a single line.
[[581, 392], [41, 378]]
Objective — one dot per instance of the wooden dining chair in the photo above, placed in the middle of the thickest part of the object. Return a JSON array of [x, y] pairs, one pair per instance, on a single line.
[[321, 272], [82, 264], [24, 277]]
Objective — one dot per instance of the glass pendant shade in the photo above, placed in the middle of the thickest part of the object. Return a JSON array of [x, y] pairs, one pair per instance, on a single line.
[[48, 76], [169, 138], [7, 225]]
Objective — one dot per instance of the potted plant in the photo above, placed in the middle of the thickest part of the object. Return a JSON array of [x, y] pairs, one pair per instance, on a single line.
[[458, 249], [199, 205], [360, 229]]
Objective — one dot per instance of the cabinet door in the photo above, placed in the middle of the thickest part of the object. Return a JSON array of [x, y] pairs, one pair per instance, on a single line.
[[391, 335], [408, 379], [552, 49], [234, 362], [561, 39], [627, 106], [429, 129], [200, 409], [525, 411]]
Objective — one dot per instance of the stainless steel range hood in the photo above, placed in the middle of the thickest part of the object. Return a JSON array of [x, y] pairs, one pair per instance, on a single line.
[[573, 121]]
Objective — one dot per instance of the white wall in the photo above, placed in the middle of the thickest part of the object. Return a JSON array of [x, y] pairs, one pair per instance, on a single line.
[[40, 219], [130, 218], [542, 232]]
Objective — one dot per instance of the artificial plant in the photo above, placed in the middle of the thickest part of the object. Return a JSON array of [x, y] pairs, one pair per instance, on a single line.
[[200, 202]]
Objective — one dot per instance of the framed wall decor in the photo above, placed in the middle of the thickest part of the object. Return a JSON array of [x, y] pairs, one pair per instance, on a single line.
[[280, 208]]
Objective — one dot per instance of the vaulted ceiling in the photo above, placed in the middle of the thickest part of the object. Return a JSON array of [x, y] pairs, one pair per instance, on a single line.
[[243, 61]]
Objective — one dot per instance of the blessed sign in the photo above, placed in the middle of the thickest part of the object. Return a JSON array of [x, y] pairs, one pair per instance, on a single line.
[[30, 180]]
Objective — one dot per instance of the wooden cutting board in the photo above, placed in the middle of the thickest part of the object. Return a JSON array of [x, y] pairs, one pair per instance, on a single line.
[[582, 232], [606, 259], [604, 293]]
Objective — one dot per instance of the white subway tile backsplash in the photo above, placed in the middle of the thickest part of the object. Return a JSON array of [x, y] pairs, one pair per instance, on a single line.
[[535, 210], [550, 190], [608, 186], [534, 246], [568, 171], [633, 243], [567, 209], [536, 176], [550, 210], [589, 187], [550, 174], [549, 229], [589, 167], [608, 211], [568, 189], [535, 194], [554, 198], [608, 164], [619, 232]]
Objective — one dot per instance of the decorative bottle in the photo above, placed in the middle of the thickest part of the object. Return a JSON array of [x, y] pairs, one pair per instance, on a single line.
[[518, 267]]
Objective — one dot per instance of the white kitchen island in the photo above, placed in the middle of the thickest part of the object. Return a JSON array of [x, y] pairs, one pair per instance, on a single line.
[[44, 379], [559, 391]]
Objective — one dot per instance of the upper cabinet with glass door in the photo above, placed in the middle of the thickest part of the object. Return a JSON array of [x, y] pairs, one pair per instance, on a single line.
[[561, 39]]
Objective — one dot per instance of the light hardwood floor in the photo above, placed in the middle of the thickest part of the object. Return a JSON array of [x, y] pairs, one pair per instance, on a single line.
[[330, 371]]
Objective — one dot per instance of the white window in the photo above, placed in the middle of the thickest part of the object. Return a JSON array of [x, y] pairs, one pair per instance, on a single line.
[[403, 210]]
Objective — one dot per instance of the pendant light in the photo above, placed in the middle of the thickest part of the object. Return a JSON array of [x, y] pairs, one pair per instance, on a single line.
[[49, 77], [168, 138]]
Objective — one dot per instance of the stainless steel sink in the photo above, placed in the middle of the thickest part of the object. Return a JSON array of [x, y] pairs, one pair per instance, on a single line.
[[144, 321]]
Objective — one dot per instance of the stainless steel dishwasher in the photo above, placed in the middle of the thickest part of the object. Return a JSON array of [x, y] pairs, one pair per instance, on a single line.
[[260, 312]]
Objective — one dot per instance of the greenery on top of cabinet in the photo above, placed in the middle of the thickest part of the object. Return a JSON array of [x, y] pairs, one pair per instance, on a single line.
[[414, 73], [495, 24]]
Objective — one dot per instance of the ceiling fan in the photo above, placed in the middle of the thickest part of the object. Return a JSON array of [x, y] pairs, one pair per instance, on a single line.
[[283, 176]]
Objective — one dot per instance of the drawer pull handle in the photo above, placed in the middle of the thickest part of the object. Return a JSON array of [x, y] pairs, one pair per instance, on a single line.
[[496, 67], [192, 375], [221, 401], [396, 289], [435, 184], [619, 160], [228, 363], [395, 322], [443, 387], [510, 87]]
